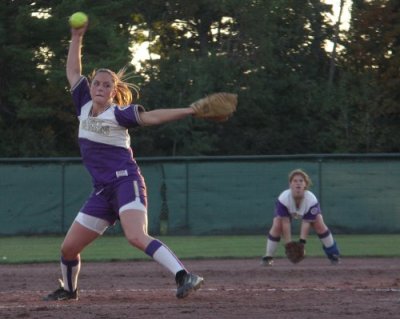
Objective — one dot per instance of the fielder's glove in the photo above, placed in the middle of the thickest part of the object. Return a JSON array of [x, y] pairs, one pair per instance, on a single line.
[[295, 251], [216, 107]]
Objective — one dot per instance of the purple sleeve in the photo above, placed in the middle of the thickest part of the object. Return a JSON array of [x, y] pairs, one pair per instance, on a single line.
[[129, 116], [312, 212], [281, 210], [81, 94]]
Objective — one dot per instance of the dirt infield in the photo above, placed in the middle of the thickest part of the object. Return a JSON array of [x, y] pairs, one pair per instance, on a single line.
[[358, 288]]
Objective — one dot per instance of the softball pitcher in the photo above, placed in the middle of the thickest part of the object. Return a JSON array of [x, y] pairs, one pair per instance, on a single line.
[[105, 112], [298, 202]]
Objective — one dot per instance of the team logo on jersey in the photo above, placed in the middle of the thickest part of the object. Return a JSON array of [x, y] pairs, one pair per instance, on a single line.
[[95, 125], [296, 215]]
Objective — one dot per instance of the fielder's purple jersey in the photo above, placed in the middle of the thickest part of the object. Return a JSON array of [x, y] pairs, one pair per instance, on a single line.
[[286, 206], [104, 140]]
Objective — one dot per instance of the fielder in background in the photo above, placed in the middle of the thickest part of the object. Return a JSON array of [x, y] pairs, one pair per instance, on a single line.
[[298, 202], [105, 112]]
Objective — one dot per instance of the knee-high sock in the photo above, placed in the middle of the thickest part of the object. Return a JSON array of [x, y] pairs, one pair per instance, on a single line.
[[327, 239], [164, 256], [272, 245], [70, 271]]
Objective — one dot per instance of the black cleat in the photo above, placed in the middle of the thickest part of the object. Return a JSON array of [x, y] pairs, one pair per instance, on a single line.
[[187, 284], [267, 261], [334, 259], [62, 294]]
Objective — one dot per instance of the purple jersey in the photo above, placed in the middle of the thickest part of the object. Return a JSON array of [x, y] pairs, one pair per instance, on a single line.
[[286, 206], [104, 140]]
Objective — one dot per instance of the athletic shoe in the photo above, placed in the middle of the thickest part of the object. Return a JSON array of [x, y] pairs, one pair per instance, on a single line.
[[267, 261], [62, 294], [334, 259], [187, 284]]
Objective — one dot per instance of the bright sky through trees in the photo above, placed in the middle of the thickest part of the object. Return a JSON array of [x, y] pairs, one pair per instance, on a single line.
[[141, 52]]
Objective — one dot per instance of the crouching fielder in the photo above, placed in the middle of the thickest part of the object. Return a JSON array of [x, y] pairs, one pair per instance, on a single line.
[[298, 202]]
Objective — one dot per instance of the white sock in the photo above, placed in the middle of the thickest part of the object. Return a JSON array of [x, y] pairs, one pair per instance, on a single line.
[[272, 245], [70, 271], [327, 241], [164, 256]]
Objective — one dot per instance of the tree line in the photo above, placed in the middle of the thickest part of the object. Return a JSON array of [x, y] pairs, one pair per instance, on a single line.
[[295, 95]]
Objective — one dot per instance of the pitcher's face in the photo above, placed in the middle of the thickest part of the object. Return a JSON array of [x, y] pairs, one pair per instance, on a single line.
[[102, 89]]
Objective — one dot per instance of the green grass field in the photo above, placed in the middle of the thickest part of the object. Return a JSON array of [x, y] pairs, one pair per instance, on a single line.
[[111, 248]]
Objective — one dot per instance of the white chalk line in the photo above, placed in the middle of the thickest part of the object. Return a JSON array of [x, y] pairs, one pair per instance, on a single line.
[[288, 289], [51, 305]]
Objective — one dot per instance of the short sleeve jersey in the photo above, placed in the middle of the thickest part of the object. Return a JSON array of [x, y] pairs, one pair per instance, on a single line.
[[286, 206], [104, 140]]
